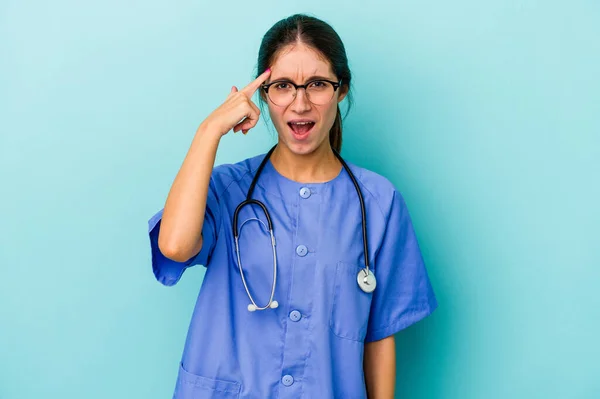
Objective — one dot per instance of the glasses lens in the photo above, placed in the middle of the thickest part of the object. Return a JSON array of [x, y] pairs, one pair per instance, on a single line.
[[282, 93], [319, 92]]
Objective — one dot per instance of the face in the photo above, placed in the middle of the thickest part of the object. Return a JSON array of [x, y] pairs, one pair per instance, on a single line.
[[300, 64]]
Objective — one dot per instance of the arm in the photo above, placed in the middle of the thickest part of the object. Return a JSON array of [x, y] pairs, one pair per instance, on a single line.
[[380, 368], [181, 227], [180, 236]]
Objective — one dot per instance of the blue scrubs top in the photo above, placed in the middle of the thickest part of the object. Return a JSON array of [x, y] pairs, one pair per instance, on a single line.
[[312, 345]]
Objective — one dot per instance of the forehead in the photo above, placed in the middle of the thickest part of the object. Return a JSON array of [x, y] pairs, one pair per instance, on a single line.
[[299, 62]]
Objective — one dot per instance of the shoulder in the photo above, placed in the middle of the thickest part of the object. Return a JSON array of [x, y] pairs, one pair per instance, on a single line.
[[227, 174], [378, 187]]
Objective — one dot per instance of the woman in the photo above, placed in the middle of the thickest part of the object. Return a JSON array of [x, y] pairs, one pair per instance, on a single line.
[[310, 324]]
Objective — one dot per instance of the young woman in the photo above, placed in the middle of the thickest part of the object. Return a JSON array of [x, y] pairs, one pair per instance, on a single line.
[[307, 282]]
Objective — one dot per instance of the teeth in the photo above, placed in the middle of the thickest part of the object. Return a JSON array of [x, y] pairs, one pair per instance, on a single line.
[[301, 123]]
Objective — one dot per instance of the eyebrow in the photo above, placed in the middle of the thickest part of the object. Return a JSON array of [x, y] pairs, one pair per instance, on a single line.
[[317, 77]]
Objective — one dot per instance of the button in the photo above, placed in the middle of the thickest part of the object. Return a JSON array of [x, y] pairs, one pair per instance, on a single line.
[[295, 315], [287, 380], [305, 192], [301, 250]]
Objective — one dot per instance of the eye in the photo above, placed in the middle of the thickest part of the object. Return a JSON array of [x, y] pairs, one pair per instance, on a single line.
[[282, 86], [319, 85]]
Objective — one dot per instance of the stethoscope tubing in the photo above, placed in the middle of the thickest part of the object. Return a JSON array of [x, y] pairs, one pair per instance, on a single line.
[[250, 201]]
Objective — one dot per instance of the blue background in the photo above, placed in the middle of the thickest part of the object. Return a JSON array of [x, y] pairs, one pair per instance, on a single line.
[[485, 115]]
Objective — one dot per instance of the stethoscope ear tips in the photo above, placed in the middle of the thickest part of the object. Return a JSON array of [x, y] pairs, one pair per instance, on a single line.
[[274, 304]]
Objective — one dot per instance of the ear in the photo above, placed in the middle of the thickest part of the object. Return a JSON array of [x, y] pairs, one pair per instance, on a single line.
[[343, 90], [263, 95]]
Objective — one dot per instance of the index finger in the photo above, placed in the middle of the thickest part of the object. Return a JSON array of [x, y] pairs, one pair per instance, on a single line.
[[255, 84]]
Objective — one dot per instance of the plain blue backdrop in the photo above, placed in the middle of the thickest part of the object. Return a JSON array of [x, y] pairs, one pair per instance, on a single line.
[[485, 115]]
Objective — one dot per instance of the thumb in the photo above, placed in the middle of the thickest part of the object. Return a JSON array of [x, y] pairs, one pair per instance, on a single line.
[[233, 90]]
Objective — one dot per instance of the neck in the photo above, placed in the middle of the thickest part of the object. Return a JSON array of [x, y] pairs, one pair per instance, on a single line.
[[319, 166]]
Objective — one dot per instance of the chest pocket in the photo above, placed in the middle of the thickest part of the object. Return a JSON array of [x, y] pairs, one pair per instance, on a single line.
[[350, 306]]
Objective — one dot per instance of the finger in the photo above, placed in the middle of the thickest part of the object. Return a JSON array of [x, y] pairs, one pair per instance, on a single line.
[[240, 125], [244, 129], [233, 90], [243, 125], [255, 84], [247, 124], [237, 127], [250, 120], [255, 108]]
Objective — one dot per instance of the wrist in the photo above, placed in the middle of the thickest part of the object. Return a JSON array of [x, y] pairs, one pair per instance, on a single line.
[[209, 131]]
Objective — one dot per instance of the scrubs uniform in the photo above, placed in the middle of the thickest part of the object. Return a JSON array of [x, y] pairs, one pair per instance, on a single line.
[[312, 345]]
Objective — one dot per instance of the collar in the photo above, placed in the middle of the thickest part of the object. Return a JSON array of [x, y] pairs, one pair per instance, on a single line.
[[271, 181]]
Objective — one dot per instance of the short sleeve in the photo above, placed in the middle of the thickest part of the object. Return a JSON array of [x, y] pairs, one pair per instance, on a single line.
[[404, 294], [167, 271]]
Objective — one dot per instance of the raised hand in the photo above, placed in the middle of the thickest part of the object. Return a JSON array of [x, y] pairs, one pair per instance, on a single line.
[[238, 112]]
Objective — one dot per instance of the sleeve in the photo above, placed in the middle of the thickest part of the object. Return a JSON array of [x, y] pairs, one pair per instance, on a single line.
[[404, 294], [167, 271]]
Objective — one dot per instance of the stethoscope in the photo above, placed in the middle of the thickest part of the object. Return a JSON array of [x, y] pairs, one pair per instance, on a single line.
[[365, 278]]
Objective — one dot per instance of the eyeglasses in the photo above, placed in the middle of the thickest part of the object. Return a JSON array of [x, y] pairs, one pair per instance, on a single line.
[[283, 93]]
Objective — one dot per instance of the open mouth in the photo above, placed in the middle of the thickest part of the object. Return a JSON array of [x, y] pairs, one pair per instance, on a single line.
[[301, 129]]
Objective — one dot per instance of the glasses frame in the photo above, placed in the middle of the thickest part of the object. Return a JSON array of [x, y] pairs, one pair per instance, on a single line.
[[335, 85]]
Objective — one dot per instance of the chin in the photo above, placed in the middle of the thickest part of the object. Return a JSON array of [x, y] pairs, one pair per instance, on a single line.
[[299, 148], [303, 147]]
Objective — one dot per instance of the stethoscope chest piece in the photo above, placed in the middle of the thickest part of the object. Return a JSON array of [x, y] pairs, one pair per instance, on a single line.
[[366, 280]]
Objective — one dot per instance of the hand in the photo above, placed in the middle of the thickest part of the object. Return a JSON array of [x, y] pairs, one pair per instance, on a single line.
[[238, 112]]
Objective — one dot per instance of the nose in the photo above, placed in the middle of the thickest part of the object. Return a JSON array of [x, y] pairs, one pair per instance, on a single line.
[[300, 103]]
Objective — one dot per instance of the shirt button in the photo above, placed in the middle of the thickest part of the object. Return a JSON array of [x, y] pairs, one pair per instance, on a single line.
[[287, 380], [305, 192], [295, 315], [301, 250]]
